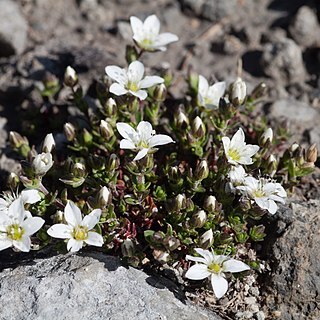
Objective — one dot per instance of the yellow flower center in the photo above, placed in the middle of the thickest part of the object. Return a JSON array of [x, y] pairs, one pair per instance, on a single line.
[[258, 193], [15, 232], [214, 267], [80, 233], [143, 144], [147, 42], [234, 154], [132, 86]]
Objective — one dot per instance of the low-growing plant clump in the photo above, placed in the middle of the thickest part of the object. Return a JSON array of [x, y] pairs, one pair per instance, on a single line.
[[152, 179]]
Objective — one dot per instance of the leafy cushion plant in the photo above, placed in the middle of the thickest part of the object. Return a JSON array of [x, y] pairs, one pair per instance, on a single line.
[[153, 179]]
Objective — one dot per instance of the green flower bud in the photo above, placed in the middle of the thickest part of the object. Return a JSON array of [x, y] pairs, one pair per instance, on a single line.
[[110, 107], [180, 202], [181, 120], [266, 138], [106, 130], [70, 77], [198, 219], [114, 162], [202, 170], [259, 91], [87, 137], [128, 248], [160, 92], [257, 233], [104, 197], [245, 204], [13, 181], [16, 140], [79, 170], [206, 240], [312, 154], [198, 128], [272, 165], [69, 131], [210, 204], [238, 92], [171, 243]]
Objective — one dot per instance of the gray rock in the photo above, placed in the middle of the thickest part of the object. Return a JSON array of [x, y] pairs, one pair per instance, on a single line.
[[305, 28], [13, 29], [294, 284], [92, 287], [282, 61]]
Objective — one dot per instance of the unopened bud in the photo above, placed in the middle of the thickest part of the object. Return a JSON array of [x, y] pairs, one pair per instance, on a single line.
[[266, 138], [87, 136], [238, 92], [48, 143], [17, 140], [181, 120], [106, 130], [206, 240], [202, 170], [42, 163], [312, 154], [210, 204], [259, 91], [245, 204], [161, 256], [114, 162], [198, 219], [128, 248], [79, 170], [294, 147], [69, 131], [13, 181], [70, 77], [110, 107], [272, 165], [174, 174], [160, 92], [171, 243], [131, 54], [104, 196], [180, 202], [198, 128]]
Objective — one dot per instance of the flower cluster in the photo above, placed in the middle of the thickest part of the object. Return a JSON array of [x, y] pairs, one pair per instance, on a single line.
[[151, 179]]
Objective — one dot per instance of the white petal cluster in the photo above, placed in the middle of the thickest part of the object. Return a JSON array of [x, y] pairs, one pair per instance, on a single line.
[[264, 193], [16, 227], [131, 80], [28, 196], [147, 34], [236, 176], [209, 96], [214, 267], [78, 231], [142, 140], [42, 163], [236, 149]]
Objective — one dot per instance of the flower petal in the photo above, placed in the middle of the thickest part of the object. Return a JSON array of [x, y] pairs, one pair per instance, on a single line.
[[72, 214], [92, 219], [216, 91], [233, 265], [159, 140], [141, 154], [127, 144], [4, 221], [144, 130], [164, 39], [198, 272], [126, 131], [238, 139], [118, 74], [272, 207], [24, 244], [150, 81], [74, 245], [32, 225], [136, 25], [135, 71], [219, 285], [203, 86], [226, 144], [118, 89], [94, 239], [16, 210], [5, 243], [60, 231], [196, 259], [151, 25], [141, 94], [30, 196], [209, 256]]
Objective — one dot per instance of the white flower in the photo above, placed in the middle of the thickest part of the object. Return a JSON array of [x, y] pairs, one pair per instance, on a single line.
[[237, 151], [131, 80], [142, 140], [48, 143], [238, 91], [146, 34], [16, 227], [214, 267], [264, 193], [209, 96], [30, 196], [42, 163], [70, 77], [236, 176], [77, 230]]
